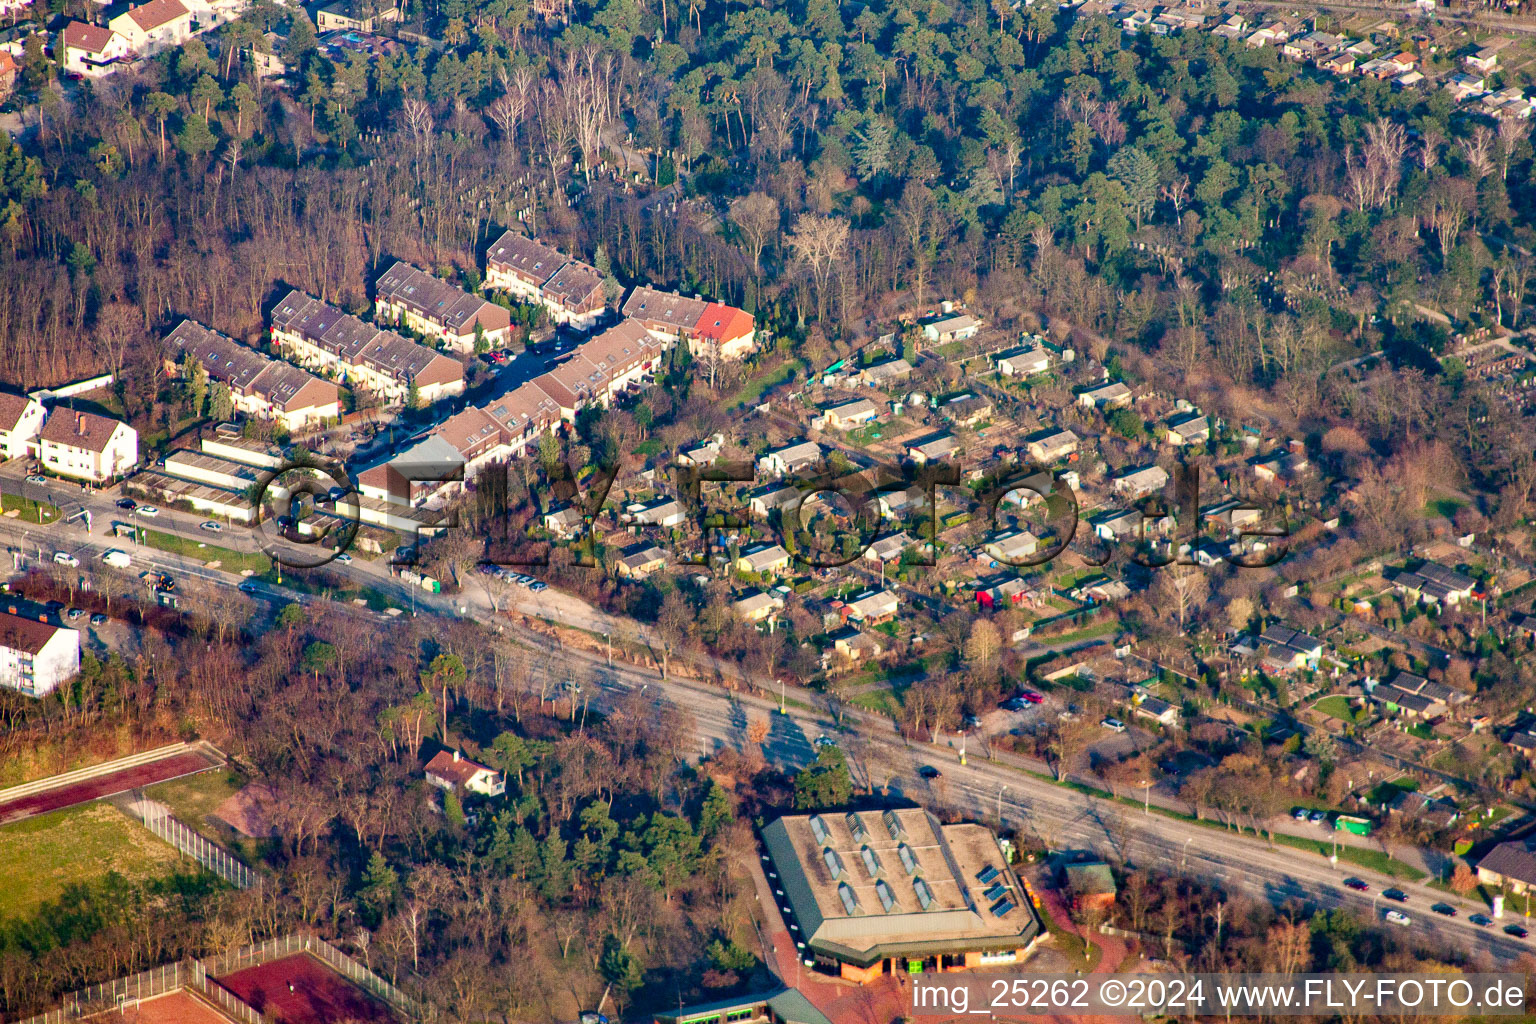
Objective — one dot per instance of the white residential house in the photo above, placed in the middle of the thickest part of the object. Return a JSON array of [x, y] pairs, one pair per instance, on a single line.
[[85, 446], [154, 26], [449, 770], [91, 50], [36, 657], [21, 419]]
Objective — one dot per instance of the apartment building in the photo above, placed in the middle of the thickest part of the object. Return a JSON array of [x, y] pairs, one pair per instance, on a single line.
[[618, 359], [261, 387], [21, 420], [710, 328], [433, 307], [85, 446], [323, 338], [154, 26], [533, 272], [36, 657]]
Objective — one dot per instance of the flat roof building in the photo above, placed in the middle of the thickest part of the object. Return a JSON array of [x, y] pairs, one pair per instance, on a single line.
[[873, 891]]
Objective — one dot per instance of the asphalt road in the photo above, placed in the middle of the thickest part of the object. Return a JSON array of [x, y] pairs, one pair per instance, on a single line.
[[881, 759]]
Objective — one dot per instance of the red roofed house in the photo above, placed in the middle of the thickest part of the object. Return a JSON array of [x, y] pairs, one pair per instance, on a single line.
[[725, 330], [451, 771], [21, 418], [153, 26], [87, 447], [36, 657], [91, 50], [8, 65]]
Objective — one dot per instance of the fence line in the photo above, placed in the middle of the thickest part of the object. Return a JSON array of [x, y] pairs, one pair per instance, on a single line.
[[361, 976], [254, 954], [200, 976], [209, 854]]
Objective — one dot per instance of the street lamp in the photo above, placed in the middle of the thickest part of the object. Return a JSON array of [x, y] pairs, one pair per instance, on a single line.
[[1000, 791]]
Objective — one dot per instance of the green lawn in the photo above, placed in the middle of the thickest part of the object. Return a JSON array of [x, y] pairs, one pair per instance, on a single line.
[[1337, 706], [881, 702], [752, 390], [194, 797], [39, 512], [42, 856], [229, 560]]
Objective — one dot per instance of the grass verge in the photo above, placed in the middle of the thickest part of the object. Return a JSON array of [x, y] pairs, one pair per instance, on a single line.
[[43, 856], [39, 512], [228, 559]]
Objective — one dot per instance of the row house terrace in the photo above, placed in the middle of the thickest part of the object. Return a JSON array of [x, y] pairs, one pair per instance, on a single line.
[[529, 270], [323, 337], [436, 308], [618, 359], [260, 387], [708, 327]]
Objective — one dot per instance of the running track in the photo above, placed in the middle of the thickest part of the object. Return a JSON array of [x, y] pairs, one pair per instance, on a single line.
[[110, 784]]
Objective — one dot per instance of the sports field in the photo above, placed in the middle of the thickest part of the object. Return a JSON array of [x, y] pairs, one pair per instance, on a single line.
[[299, 989], [176, 1008], [40, 856], [121, 781]]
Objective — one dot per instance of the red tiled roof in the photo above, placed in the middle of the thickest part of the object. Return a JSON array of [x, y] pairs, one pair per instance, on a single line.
[[152, 15], [457, 771], [11, 406], [90, 38], [79, 429], [720, 322], [27, 635]]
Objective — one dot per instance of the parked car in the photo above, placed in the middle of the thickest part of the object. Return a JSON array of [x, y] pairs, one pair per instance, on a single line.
[[537, 586], [1357, 884], [247, 587], [1444, 909], [65, 558], [1113, 725], [211, 526], [1395, 894], [824, 741], [1014, 704], [1300, 814], [1397, 917], [148, 511], [1319, 817], [1032, 696], [344, 558], [73, 614], [1517, 930], [37, 478], [98, 619]]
